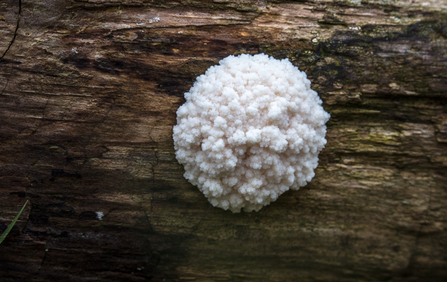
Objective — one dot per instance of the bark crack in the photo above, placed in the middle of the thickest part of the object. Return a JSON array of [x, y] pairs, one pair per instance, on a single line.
[[15, 32]]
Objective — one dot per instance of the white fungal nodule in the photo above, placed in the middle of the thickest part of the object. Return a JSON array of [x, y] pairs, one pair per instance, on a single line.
[[251, 128]]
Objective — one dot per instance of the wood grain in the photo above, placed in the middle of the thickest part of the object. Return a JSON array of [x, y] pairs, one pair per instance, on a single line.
[[88, 95]]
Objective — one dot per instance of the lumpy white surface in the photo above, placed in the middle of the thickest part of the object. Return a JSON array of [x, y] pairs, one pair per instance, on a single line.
[[251, 129]]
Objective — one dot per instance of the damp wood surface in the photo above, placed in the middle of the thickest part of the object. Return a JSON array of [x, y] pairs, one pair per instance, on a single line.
[[88, 96]]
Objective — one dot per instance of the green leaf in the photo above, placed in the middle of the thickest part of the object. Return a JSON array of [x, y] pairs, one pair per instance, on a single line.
[[12, 224]]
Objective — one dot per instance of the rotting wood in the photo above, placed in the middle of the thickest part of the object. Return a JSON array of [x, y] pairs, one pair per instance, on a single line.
[[88, 94]]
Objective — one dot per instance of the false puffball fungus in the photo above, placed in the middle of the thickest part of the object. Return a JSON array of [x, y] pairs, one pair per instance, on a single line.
[[251, 128]]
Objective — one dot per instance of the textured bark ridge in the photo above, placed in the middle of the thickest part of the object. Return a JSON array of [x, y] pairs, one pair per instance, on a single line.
[[88, 94]]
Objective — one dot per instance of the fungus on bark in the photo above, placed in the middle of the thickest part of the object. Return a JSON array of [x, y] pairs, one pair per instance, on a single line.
[[251, 128]]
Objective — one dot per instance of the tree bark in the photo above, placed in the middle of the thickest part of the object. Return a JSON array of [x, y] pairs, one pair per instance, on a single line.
[[88, 96]]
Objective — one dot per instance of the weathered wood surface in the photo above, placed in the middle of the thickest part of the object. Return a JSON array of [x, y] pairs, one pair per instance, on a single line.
[[88, 94]]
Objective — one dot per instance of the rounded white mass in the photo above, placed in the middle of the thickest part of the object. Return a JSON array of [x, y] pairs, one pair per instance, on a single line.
[[251, 128]]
